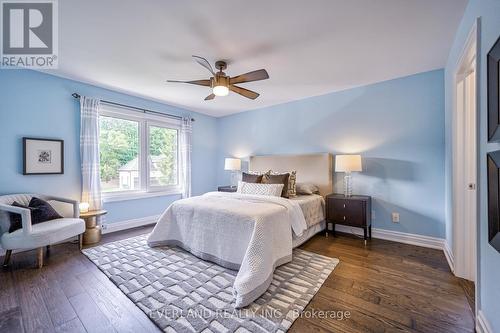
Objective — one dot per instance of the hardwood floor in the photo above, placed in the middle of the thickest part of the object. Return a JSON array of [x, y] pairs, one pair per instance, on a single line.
[[385, 287]]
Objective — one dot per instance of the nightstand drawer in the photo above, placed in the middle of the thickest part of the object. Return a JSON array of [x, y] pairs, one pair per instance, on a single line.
[[350, 218], [227, 189], [348, 211]]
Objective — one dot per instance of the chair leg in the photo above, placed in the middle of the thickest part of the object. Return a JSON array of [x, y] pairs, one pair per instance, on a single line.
[[80, 241], [39, 253], [6, 260]]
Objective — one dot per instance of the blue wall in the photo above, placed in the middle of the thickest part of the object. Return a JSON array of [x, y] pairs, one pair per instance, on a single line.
[[40, 105], [397, 126], [489, 258]]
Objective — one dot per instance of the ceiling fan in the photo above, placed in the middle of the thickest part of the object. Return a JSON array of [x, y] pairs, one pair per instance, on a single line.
[[222, 83]]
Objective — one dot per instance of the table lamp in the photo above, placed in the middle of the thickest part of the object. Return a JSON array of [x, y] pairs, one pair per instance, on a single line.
[[84, 207], [348, 164], [233, 165]]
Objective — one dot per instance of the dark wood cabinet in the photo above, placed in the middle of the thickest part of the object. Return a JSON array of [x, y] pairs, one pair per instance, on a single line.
[[354, 211], [227, 188]]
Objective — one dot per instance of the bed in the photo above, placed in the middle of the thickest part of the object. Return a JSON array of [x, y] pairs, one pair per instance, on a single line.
[[250, 233]]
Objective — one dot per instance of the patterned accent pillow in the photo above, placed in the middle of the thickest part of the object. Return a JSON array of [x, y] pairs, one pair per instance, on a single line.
[[273, 190], [292, 182]]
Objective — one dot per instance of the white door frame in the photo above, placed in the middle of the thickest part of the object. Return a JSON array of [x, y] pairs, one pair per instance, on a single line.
[[464, 248]]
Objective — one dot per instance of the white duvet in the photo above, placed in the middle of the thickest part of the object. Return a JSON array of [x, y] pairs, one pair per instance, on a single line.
[[248, 233]]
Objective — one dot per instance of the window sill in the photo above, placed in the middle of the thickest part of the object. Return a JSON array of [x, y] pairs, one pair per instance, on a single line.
[[115, 197]]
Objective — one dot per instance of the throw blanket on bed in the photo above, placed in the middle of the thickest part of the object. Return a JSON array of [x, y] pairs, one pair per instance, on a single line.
[[249, 233]]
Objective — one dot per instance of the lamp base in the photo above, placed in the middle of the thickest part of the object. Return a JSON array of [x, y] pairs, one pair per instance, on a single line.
[[234, 179], [347, 185]]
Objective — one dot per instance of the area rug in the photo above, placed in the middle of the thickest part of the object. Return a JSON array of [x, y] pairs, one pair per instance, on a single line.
[[182, 293]]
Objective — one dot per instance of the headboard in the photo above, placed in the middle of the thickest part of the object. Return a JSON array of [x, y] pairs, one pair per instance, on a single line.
[[313, 168]]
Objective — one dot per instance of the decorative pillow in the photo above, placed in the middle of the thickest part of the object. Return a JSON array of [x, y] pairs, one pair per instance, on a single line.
[[278, 179], [41, 211], [292, 181], [44, 212], [273, 190], [251, 178], [307, 188], [16, 219]]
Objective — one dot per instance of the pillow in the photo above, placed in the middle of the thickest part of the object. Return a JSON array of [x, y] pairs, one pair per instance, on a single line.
[[41, 211], [278, 179], [273, 190], [251, 178], [16, 221], [45, 212], [292, 182], [307, 188]]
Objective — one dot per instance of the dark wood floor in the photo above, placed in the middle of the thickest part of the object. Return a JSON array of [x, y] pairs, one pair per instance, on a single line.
[[385, 286]]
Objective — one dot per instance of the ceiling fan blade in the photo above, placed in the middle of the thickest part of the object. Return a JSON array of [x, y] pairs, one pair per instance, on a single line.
[[257, 75], [204, 62], [209, 97], [197, 82], [244, 92]]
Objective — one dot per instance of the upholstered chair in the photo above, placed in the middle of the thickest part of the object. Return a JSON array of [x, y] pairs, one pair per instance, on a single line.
[[39, 235]]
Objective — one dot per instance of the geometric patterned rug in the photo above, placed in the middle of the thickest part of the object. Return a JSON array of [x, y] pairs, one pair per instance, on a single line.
[[182, 293]]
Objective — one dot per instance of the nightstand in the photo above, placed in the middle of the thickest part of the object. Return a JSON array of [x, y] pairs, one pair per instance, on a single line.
[[354, 211], [92, 232], [227, 188]]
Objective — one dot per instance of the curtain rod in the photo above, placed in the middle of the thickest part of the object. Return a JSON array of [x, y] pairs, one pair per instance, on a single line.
[[77, 96]]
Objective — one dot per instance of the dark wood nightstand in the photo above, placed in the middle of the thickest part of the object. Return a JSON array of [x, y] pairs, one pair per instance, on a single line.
[[227, 188], [354, 211]]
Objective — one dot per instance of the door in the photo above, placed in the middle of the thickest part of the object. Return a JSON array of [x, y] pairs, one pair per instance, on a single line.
[[465, 168]]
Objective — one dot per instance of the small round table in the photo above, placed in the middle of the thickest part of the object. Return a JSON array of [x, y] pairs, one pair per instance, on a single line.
[[92, 232]]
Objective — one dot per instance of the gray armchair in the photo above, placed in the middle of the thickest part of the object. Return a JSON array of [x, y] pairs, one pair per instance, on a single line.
[[39, 235]]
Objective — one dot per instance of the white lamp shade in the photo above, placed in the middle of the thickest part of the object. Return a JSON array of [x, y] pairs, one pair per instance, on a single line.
[[348, 163], [233, 164]]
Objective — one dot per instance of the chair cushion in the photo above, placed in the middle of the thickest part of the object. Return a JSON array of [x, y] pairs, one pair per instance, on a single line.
[[43, 234]]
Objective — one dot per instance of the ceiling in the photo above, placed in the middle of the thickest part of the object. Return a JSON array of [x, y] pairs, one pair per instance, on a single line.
[[309, 48]]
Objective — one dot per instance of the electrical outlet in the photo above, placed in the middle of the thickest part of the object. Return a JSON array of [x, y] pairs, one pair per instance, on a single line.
[[395, 217]]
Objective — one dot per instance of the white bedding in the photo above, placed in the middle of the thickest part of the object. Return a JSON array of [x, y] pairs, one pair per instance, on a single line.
[[249, 233]]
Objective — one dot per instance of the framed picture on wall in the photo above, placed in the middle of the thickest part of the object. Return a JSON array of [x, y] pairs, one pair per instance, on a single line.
[[493, 165], [493, 63], [43, 156]]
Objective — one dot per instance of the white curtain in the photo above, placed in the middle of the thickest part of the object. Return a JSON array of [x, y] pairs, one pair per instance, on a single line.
[[89, 152], [185, 152]]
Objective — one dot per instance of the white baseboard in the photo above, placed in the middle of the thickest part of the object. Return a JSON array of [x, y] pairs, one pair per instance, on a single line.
[[397, 236], [448, 253], [482, 324], [133, 223]]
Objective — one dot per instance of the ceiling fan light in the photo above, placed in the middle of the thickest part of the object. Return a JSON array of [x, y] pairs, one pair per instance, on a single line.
[[220, 90]]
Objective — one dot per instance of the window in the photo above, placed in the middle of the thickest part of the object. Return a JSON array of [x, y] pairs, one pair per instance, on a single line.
[[119, 154], [162, 156], [139, 154]]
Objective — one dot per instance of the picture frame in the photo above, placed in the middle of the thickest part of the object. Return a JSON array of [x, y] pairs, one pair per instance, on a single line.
[[493, 166], [43, 156], [493, 80]]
